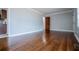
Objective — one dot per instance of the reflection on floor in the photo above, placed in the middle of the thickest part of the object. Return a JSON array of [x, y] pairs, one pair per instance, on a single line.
[[39, 41], [3, 35]]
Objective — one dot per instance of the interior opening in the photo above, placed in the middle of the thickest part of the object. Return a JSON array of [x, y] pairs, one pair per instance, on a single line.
[[3, 21]]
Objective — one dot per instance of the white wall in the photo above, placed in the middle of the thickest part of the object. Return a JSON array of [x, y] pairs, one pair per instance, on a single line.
[[78, 21], [75, 26], [75, 20], [61, 21], [23, 21]]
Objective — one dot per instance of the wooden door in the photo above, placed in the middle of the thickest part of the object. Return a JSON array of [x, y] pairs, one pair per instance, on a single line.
[[47, 23]]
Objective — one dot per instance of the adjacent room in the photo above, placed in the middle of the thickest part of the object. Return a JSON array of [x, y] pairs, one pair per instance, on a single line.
[[3, 22], [39, 29]]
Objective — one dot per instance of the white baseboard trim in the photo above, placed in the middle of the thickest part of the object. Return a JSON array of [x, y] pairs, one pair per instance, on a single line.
[[76, 37], [3, 35], [23, 33], [62, 30]]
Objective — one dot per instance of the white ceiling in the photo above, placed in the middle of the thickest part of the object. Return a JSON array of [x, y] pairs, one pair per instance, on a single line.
[[51, 10]]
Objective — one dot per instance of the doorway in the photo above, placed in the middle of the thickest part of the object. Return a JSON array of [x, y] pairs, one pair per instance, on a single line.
[[46, 21], [3, 22]]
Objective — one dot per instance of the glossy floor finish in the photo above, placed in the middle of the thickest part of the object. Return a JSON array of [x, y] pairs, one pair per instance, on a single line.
[[39, 41]]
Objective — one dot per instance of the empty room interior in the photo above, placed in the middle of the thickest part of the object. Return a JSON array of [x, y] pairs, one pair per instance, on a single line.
[[39, 29]]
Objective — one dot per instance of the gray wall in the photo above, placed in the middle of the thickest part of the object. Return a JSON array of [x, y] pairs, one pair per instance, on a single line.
[[23, 21], [62, 21]]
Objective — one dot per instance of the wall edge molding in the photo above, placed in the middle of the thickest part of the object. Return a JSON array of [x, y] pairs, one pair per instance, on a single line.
[[66, 11], [35, 11], [62, 30], [13, 35]]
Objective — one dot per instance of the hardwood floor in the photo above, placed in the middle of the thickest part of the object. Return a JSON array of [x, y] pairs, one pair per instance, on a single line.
[[39, 41]]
